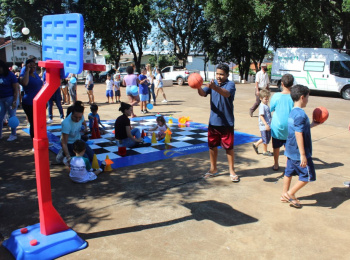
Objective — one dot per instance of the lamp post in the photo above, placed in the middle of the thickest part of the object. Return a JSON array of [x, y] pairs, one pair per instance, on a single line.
[[150, 42], [25, 31]]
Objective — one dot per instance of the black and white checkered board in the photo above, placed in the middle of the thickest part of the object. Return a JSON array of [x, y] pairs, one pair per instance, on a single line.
[[184, 140]]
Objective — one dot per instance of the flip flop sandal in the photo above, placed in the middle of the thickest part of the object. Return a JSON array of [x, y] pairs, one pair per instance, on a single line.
[[284, 200], [235, 178], [293, 202], [273, 168], [255, 149], [210, 175]]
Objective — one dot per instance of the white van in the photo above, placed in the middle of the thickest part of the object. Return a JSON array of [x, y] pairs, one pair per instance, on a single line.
[[316, 68]]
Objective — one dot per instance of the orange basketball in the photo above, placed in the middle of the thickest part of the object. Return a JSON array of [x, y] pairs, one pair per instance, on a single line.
[[195, 80], [320, 114]]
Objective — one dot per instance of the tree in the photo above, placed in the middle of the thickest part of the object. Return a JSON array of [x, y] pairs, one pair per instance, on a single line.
[[32, 13], [163, 60], [180, 21]]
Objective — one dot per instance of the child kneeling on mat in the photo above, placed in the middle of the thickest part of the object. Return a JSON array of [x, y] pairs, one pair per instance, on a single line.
[[80, 167]]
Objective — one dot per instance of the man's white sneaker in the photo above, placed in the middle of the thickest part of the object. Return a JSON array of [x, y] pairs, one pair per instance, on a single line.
[[12, 138], [165, 101], [62, 120], [49, 121]]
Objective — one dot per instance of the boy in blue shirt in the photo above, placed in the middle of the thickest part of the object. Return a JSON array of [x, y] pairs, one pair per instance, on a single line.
[[143, 91], [298, 147], [281, 104], [221, 121]]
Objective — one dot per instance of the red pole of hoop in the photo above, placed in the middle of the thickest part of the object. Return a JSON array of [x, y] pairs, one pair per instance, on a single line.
[[50, 221]]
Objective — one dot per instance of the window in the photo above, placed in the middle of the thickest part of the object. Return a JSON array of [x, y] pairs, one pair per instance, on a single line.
[[24, 48], [166, 70], [340, 69], [17, 48], [317, 66]]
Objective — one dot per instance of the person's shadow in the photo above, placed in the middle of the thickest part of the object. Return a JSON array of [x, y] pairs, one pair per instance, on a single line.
[[218, 212], [330, 199]]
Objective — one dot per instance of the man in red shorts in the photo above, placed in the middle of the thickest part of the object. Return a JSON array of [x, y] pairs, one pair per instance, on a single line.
[[221, 120]]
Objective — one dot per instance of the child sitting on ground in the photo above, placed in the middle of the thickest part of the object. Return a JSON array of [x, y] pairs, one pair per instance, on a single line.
[[264, 122], [92, 116], [161, 128], [80, 168], [298, 147]]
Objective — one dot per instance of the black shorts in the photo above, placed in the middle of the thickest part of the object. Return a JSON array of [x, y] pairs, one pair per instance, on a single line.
[[277, 143], [90, 87], [117, 93]]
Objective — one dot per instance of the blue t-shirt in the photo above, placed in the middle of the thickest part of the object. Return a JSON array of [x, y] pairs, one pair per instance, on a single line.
[[221, 113], [6, 85], [265, 111], [33, 87], [91, 120], [298, 121], [72, 129], [281, 105], [143, 88]]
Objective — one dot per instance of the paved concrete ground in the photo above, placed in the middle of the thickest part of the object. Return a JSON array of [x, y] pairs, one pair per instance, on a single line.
[[164, 210]]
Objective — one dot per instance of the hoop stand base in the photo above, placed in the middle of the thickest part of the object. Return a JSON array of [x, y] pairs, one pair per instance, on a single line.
[[28, 243]]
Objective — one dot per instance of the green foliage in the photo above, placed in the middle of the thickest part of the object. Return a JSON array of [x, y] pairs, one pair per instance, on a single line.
[[164, 60], [181, 22]]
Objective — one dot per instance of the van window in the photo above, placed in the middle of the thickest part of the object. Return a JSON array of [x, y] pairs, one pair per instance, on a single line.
[[340, 69], [166, 70], [314, 66]]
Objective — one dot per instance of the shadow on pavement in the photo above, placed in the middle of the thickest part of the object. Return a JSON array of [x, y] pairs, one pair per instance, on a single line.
[[220, 213], [329, 199]]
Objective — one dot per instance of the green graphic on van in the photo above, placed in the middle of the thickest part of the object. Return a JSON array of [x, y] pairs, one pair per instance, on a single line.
[[309, 78]]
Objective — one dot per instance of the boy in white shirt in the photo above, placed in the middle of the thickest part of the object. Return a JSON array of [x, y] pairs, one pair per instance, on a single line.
[[109, 88]]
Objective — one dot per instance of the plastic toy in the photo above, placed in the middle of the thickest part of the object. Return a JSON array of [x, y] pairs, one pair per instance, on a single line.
[[13, 122], [108, 167], [320, 114], [154, 139], [149, 106], [170, 121], [95, 164], [134, 90], [62, 45], [95, 131]]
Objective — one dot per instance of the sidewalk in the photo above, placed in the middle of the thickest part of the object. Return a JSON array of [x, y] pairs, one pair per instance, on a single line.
[[165, 210]]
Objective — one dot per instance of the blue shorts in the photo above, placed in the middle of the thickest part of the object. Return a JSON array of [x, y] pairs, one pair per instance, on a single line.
[[90, 87], [306, 174], [266, 136], [277, 143], [144, 97], [109, 93]]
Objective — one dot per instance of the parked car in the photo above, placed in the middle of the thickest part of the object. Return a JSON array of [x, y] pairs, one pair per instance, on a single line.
[[177, 73], [102, 77]]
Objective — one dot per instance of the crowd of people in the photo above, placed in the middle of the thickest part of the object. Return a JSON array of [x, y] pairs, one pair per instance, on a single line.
[[285, 121]]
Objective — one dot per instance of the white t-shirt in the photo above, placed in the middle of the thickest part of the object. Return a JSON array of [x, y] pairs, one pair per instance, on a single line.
[[262, 79], [79, 170], [149, 78], [160, 80], [89, 79], [109, 84], [116, 85]]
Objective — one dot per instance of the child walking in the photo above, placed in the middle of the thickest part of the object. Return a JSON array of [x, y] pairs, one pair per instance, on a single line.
[[143, 91], [161, 128], [298, 147], [159, 85], [92, 116], [109, 88], [80, 167], [281, 104], [264, 122], [221, 120]]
